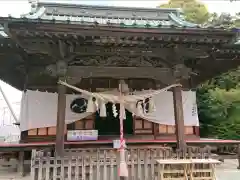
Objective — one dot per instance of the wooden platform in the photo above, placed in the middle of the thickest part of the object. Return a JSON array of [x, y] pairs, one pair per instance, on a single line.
[[191, 169]]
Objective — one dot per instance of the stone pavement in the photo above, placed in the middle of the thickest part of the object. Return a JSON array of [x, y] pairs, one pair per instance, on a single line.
[[228, 170]]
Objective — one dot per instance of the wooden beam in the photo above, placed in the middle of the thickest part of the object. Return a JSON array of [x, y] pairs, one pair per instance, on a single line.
[[162, 74], [123, 51], [179, 118], [214, 37]]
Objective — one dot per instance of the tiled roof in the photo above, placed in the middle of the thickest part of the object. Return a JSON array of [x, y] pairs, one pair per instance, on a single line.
[[238, 42], [103, 15]]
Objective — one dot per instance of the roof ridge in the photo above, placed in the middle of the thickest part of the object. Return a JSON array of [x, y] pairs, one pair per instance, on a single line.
[[76, 5]]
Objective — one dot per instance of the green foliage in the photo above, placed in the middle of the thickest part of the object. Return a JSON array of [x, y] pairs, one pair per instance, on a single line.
[[225, 20], [219, 106], [194, 11], [237, 20], [219, 98]]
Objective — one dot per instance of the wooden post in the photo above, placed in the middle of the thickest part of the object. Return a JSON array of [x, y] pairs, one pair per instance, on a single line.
[[179, 119], [123, 171], [61, 107], [238, 156], [20, 167]]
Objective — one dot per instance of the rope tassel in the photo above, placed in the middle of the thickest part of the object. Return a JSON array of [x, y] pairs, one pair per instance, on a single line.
[[103, 110], [152, 107], [114, 109], [139, 109], [91, 107]]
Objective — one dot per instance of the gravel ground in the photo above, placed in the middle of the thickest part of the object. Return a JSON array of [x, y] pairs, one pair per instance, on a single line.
[[226, 171]]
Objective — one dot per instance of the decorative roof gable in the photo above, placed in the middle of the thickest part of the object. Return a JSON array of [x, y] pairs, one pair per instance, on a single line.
[[2, 33]]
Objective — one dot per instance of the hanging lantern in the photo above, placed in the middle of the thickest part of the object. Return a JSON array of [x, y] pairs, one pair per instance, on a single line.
[[103, 110]]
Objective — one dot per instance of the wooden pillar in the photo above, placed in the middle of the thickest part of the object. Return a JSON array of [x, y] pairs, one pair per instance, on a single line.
[[20, 167], [61, 107], [238, 156], [179, 119]]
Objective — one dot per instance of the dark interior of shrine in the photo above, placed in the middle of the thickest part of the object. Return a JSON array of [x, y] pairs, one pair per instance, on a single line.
[[110, 125]]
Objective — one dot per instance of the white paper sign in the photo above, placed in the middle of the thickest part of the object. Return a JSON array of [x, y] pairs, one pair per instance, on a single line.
[[82, 135], [116, 144]]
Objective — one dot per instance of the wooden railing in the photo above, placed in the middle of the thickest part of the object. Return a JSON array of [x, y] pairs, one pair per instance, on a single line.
[[102, 164]]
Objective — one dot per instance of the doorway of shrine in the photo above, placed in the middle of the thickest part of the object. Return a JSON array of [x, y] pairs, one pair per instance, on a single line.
[[110, 125]]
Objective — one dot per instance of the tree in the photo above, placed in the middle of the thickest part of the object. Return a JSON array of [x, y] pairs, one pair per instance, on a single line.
[[237, 20], [194, 11], [219, 112], [225, 20], [219, 98], [219, 106]]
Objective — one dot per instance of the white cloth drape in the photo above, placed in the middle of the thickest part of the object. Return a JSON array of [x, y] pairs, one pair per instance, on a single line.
[[39, 109]]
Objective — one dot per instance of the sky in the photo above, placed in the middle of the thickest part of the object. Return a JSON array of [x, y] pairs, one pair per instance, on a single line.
[[18, 7]]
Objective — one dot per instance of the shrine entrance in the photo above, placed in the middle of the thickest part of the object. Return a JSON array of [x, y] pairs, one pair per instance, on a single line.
[[110, 125]]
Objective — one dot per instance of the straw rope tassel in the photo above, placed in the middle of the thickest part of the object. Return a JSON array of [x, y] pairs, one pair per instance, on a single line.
[[114, 109], [152, 106], [139, 109], [91, 108], [103, 110]]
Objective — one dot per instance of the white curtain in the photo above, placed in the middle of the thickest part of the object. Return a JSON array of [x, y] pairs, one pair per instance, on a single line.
[[39, 109], [164, 113]]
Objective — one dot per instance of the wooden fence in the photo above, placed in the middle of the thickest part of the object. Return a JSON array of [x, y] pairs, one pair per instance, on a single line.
[[102, 164]]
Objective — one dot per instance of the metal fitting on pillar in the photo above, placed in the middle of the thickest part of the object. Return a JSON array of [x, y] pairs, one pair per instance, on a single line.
[[61, 68]]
